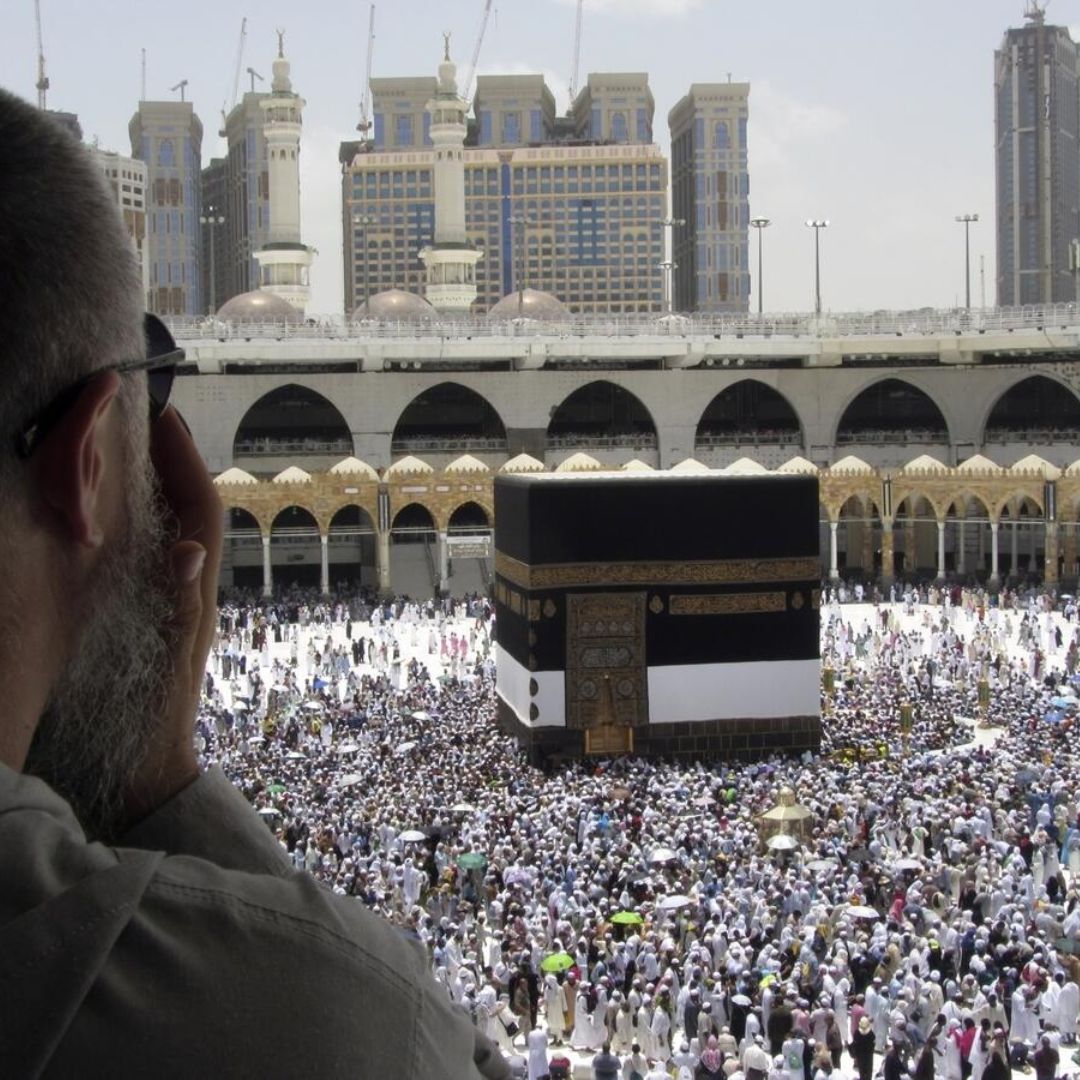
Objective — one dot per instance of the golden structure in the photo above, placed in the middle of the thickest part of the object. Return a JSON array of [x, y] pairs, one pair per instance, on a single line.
[[880, 510]]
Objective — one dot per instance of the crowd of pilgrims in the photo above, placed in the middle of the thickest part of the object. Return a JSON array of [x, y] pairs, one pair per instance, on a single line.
[[628, 914]]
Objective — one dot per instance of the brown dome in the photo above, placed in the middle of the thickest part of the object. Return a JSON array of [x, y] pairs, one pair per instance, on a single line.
[[530, 304], [394, 304], [258, 306]]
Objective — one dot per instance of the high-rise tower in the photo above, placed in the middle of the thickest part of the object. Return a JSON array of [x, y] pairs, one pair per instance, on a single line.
[[450, 260], [284, 261], [1037, 117], [710, 187]]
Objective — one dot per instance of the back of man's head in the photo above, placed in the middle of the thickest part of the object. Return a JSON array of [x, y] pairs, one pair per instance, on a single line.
[[71, 286]]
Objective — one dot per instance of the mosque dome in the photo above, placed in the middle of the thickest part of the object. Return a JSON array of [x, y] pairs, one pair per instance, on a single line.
[[395, 304], [258, 306], [530, 304]]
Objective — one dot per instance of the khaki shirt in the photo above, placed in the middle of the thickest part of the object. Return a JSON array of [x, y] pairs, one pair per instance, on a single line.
[[195, 950]]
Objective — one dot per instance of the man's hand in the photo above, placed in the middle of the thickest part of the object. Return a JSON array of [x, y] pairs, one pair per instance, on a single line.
[[171, 764]]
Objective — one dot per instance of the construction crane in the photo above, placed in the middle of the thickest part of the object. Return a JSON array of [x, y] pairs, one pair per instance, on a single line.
[[254, 75], [179, 86], [42, 79], [575, 69], [231, 104], [466, 90], [365, 102]]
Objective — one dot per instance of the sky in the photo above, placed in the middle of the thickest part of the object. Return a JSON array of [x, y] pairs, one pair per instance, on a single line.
[[873, 114]]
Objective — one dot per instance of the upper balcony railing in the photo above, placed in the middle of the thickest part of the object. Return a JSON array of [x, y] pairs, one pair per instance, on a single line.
[[923, 322]]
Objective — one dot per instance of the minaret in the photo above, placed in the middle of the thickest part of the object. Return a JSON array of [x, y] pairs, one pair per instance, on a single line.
[[284, 261], [451, 260]]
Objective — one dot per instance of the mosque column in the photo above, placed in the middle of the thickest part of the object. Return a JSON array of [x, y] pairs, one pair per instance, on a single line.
[[1070, 550], [941, 550], [887, 559], [324, 573], [834, 569], [961, 567], [911, 558], [1014, 553], [268, 572], [444, 561], [382, 561], [995, 577], [1050, 570], [868, 541]]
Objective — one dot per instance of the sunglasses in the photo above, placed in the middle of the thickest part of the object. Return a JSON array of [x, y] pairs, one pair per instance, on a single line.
[[162, 356]]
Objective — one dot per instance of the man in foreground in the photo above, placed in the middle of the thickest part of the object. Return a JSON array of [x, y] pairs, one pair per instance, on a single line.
[[177, 941]]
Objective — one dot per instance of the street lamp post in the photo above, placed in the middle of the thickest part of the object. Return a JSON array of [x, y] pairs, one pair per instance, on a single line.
[[817, 225], [669, 267], [761, 224], [520, 222], [212, 218], [966, 220], [669, 264], [364, 222]]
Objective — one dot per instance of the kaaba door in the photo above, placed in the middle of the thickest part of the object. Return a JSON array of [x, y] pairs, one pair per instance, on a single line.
[[606, 670]]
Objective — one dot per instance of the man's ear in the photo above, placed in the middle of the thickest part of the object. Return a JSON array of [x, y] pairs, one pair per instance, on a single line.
[[73, 460]]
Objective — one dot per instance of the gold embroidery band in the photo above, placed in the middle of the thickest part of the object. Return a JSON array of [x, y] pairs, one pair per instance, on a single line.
[[705, 572], [729, 604]]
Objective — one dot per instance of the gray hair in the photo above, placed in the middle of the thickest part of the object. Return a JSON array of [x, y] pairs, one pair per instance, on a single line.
[[72, 299]]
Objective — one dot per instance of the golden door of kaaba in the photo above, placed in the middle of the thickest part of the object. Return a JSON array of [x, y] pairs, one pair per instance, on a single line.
[[607, 693]]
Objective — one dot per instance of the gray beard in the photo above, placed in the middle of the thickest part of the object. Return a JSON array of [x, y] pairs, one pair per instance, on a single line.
[[94, 733]]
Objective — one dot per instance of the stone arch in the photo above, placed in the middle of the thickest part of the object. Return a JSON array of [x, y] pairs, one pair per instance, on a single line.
[[915, 533], [859, 536], [601, 413], [892, 410], [1034, 409], [413, 517], [351, 546], [469, 516], [1022, 546], [449, 417], [242, 548], [414, 553], [749, 410], [291, 422], [968, 534], [295, 546]]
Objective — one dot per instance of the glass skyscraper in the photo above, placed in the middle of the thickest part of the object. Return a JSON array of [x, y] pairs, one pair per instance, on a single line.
[[1038, 162]]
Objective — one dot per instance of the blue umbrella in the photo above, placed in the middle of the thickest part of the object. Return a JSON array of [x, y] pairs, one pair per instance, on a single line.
[[1054, 716], [1063, 702], [318, 684]]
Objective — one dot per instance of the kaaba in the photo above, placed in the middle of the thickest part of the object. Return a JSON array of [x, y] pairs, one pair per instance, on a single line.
[[664, 616]]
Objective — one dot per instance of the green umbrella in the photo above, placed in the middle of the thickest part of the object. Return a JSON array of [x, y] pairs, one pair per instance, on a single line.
[[559, 961], [472, 860], [275, 789], [627, 918]]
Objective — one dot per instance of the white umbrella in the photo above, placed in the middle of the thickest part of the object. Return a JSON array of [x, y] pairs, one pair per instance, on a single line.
[[673, 903], [269, 811], [741, 1000], [294, 755], [907, 864], [350, 780], [463, 808], [662, 855], [421, 715], [782, 842], [820, 866], [404, 747], [314, 705], [862, 911], [413, 836], [348, 748], [241, 706], [256, 740]]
